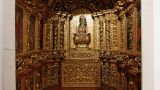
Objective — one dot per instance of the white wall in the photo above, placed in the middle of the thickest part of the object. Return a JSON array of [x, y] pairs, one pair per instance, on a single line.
[[9, 45], [147, 45], [1, 45], [157, 44]]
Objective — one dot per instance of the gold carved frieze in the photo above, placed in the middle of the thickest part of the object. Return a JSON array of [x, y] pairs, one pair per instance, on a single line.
[[82, 54]]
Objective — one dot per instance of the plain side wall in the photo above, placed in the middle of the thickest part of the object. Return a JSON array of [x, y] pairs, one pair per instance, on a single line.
[[147, 45], [9, 45], [157, 44], [1, 44]]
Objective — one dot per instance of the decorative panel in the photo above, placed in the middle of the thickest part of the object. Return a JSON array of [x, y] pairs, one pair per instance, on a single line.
[[52, 74], [105, 73], [82, 54], [81, 73]]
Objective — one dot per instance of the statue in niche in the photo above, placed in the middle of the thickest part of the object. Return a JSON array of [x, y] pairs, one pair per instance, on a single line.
[[82, 24], [82, 37]]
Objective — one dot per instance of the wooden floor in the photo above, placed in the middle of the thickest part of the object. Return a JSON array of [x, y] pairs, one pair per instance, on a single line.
[[79, 88]]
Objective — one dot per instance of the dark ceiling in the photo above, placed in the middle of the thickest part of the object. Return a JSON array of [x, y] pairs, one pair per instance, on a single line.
[[71, 5]]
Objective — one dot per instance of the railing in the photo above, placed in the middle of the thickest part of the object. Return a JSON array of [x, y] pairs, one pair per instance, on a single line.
[[41, 69], [38, 70], [121, 70]]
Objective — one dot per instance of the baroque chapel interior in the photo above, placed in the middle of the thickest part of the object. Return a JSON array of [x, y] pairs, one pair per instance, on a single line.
[[78, 44]]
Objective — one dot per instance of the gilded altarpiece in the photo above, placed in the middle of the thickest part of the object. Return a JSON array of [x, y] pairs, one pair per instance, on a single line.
[[81, 67]]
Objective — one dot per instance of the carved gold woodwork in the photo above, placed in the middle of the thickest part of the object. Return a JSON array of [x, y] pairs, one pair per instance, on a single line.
[[81, 37], [96, 31], [37, 29], [123, 32], [107, 29], [81, 73], [26, 16], [102, 32], [114, 32], [67, 33], [52, 74], [48, 35], [55, 32], [135, 19], [82, 54], [105, 73]]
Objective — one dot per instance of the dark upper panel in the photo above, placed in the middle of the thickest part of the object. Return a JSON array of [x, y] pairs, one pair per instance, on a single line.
[[70, 5], [49, 7]]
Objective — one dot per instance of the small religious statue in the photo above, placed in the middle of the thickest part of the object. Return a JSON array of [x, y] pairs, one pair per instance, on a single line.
[[82, 37], [82, 24]]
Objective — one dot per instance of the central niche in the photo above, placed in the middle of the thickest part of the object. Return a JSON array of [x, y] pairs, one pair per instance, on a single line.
[[81, 37], [81, 31]]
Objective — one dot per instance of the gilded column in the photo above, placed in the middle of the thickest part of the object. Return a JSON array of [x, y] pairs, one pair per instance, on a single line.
[[58, 33], [44, 35], [48, 34], [122, 29], [37, 27], [26, 16], [135, 28], [124, 33], [96, 37], [119, 34], [61, 32], [102, 32], [113, 28], [107, 29], [66, 33], [130, 30], [55, 32]]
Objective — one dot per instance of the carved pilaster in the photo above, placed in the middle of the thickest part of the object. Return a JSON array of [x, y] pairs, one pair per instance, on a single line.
[[113, 28], [130, 30], [48, 34], [135, 28], [96, 31], [107, 30], [37, 29], [58, 33], [102, 32], [113, 74], [26, 16], [61, 33], [123, 33], [66, 33], [55, 32]]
